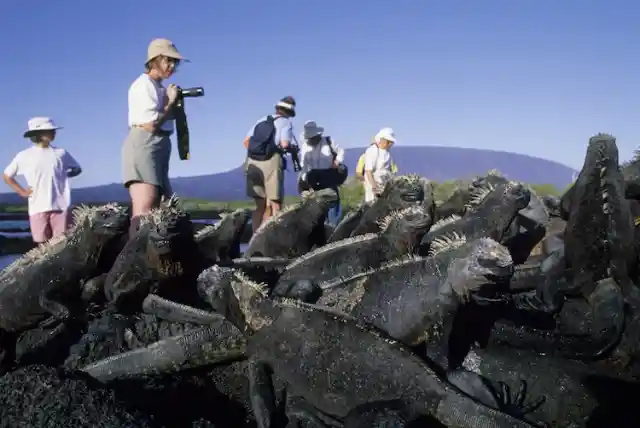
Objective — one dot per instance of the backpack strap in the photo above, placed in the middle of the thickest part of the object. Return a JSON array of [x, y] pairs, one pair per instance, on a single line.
[[330, 144]]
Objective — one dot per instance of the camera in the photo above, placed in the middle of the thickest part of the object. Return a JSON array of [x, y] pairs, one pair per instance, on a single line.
[[294, 151], [190, 92]]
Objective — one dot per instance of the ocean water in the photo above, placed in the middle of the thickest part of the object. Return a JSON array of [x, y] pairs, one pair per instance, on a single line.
[[5, 260]]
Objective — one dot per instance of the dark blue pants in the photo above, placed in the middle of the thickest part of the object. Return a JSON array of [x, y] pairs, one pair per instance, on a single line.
[[335, 212]]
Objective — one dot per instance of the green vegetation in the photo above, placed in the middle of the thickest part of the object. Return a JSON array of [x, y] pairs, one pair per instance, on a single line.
[[352, 193]]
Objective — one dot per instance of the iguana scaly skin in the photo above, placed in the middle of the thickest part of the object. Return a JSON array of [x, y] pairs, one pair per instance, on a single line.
[[337, 364], [399, 192], [415, 299], [575, 394], [160, 258], [35, 289], [221, 242], [492, 212], [287, 233], [401, 232], [348, 223], [599, 242]]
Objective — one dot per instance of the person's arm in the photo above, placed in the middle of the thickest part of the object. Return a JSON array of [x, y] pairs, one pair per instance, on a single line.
[[369, 165], [71, 165], [10, 172], [286, 134], [339, 153], [144, 95], [247, 137]]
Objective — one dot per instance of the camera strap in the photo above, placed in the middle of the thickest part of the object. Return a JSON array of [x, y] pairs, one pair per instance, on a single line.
[[182, 130]]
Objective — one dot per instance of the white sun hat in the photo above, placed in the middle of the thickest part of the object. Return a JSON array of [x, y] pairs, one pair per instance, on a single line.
[[311, 129], [40, 123]]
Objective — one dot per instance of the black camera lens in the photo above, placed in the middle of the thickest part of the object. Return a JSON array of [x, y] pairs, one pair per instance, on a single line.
[[192, 92]]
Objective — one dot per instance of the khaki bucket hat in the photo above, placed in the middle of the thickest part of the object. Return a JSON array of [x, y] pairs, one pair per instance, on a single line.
[[163, 47]]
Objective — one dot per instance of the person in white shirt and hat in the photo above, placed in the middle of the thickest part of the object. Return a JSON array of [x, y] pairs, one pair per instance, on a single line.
[[378, 163], [46, 169], [147, 149], [322, 162]]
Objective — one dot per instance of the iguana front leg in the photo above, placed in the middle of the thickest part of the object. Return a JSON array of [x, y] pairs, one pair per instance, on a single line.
[[177, 312], [58, 312], [262, 393]]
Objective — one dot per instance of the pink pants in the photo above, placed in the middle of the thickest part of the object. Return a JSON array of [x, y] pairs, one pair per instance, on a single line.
[[45, 226]]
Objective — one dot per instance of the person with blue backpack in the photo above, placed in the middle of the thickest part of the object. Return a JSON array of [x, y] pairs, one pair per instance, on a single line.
[[266, 142]]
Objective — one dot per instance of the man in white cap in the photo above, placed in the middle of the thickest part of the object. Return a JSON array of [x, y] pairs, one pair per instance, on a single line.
[[147, 148], [46, 169], [322, 162], [378, 163]]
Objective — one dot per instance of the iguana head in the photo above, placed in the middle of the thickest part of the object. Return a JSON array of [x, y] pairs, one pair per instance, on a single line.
[[244, 302], [107, 220], [488, 262], [323, 197], [410, 188], [167, 225], [409, 223]]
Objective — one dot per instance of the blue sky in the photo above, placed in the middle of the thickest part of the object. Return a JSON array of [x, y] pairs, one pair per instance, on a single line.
[[534, 77]]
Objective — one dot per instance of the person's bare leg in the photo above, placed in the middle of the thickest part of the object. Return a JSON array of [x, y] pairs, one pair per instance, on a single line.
[[258, 213], [275, 208], [144, 197]]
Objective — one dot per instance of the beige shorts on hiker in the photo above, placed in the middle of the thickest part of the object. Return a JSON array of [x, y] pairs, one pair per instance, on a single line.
[[265, 179]]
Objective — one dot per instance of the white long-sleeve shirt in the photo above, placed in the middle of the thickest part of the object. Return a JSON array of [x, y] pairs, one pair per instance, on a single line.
[[319, 156]]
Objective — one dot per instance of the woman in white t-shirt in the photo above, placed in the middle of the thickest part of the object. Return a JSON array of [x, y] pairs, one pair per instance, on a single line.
[[147, 148], [378, 163]]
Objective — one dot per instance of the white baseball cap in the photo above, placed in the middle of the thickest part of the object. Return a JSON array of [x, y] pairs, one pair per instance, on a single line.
[[387, 134], [40, 123]]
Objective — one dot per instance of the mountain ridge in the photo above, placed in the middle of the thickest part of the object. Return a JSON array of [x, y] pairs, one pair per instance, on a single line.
[[438, 163]]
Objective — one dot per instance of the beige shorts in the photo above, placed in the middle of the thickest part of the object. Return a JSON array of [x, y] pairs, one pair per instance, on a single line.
[[265, 179]]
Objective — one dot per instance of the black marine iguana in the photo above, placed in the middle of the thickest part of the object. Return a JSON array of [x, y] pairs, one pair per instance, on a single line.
[[334, 363], [417, 298], [490, 218], [337, 364], [348, 223], [221, 242], [599, 243], [399, 192], [35, 290], [401, 232], [162, 258], [287, 233], [575, 394]]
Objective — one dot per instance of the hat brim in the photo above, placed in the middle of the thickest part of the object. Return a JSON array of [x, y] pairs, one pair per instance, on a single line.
[[291, 111], [32, 132], [316, 131], [169, 55]]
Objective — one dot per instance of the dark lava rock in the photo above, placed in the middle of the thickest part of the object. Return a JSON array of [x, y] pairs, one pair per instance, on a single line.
[[39, 396]]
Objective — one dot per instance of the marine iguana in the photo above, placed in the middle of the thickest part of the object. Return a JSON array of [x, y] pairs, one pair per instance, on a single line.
[[46, 397], [527, 228], [337, 364], [458, 202], [575, 394], [417, 298], [631, 173], [600, 226], [490, 217], [221, 242], [598, 239], [37, 289], [348, 223], [159, 259], [399, 192], [401, 232], [287, 233]]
